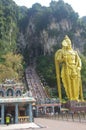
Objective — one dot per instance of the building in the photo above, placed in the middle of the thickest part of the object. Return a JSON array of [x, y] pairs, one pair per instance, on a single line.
[[14, 103], [48, 107]]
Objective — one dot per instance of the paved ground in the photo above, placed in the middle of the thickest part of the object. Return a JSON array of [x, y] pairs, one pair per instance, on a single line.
[[60, 125], [19, 126], [46, 124]]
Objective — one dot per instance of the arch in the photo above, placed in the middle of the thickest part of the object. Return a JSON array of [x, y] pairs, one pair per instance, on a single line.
[[10, 92], [1, 93], [18, 92]]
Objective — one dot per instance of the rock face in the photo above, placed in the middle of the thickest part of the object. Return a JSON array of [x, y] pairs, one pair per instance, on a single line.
[[48, 38], [46, 29], [39, 30]]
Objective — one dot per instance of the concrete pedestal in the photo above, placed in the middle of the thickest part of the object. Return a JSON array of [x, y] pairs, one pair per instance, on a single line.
[[76, 106]]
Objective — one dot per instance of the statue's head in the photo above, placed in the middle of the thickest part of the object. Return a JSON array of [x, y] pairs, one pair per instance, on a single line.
[[64, 43], [68, 41]]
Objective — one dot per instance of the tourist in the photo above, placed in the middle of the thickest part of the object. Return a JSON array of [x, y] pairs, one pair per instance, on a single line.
[[7, 120]]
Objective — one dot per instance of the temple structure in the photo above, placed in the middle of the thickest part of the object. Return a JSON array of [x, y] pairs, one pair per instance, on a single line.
[[15, 103]]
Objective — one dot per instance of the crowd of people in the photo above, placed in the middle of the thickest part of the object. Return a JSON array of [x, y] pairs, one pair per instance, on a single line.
[[35, 85]]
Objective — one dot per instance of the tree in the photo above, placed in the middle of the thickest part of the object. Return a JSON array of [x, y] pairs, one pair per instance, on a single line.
[[12, 67]]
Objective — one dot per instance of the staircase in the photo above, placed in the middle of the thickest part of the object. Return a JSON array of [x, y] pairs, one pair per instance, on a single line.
[[35, 86]]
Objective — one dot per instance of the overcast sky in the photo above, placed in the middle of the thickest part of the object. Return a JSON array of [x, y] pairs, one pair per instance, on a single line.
[[79, 6]]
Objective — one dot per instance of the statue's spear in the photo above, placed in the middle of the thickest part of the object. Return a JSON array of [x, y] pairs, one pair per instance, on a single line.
[[58, 76]]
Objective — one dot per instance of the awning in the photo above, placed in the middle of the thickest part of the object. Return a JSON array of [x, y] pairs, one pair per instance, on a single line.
[[17, 100]]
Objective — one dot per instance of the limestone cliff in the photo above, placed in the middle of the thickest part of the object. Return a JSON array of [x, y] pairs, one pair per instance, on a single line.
[[46, 28]]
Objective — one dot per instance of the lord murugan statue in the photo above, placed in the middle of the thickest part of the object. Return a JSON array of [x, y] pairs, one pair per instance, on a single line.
[[68, 66]]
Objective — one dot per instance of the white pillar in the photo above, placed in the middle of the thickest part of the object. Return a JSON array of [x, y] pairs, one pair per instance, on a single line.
[[16, 113], [53, 111], [44, 109], [2, 114], [30, 113]]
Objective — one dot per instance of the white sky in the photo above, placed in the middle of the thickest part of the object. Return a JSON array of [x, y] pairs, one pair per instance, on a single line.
[[79, 6]]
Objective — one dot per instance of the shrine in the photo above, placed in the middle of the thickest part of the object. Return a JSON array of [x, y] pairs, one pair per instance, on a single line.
[[15, 103]]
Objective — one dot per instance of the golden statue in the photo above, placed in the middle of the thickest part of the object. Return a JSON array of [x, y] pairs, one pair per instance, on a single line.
[[68, 66]]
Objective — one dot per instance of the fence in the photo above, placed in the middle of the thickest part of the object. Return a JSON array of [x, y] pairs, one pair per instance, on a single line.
[[23, 119], [75, 117]]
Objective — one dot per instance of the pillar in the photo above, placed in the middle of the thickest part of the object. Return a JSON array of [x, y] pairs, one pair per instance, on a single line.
[[37, 111], [27, 111], [2, 114], [30, 113], [53, 111], [16, 113], [44, 110]]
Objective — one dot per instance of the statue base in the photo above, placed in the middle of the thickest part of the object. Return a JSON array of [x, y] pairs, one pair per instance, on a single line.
[[76, 106]]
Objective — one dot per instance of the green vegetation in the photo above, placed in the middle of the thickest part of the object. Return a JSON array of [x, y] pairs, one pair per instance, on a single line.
[[11, 63], [8, 26], [45, 65], [11, 67]]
